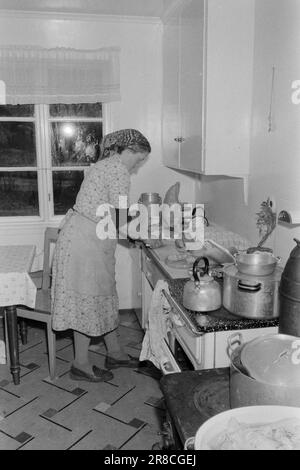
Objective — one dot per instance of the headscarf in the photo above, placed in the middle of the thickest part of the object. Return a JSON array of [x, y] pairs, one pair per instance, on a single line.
[[117, 141]]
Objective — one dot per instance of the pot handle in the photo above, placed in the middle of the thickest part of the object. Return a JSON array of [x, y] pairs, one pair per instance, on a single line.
[[189, 443], [234, 339], [195, 265], [249, 287]]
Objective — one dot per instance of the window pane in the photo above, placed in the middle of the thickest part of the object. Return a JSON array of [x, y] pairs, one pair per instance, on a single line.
[[18, 110], [17, 144], [75, 143], [66, 185], [76, 110], [18, 193]]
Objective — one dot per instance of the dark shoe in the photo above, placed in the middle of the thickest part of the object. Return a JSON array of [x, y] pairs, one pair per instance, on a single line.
[[99, 375], [112, 363]]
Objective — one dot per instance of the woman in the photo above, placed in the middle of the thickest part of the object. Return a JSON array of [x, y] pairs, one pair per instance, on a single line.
[[84, 296]]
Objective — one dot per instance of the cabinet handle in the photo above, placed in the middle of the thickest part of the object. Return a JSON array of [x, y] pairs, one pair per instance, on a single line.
[[179, 139]]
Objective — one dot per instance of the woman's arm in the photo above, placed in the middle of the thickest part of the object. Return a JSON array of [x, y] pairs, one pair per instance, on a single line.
[[123, 217]]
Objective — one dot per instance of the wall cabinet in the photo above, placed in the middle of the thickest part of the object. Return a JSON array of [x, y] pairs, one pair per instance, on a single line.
[[207, 86]]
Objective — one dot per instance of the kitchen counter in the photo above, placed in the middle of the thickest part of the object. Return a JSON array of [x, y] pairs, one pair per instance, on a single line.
[[194, 397], [219, 320]]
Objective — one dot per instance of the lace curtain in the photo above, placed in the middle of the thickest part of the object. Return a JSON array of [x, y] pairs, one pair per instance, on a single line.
[[34, 75]]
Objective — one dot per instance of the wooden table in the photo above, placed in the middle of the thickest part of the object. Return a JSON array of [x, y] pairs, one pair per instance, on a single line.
[[16, 288]]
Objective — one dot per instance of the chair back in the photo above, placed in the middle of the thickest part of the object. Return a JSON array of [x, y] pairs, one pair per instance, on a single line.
[[51, 235]]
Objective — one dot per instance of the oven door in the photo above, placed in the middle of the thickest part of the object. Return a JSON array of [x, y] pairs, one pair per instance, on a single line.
[[168, 364]]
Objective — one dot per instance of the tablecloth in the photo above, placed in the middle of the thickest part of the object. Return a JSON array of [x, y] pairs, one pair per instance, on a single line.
[[16, 286]]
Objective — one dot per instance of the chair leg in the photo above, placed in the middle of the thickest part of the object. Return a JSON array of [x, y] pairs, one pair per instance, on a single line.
[[23, 330], [6, 343], [51, 351]]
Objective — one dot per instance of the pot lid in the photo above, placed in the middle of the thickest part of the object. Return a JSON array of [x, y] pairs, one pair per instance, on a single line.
[[273, 359], [232, 271]]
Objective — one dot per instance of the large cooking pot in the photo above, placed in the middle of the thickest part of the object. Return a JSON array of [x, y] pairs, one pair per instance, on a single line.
[[202, 293], [251, 296], [256, 264], [245, 390]]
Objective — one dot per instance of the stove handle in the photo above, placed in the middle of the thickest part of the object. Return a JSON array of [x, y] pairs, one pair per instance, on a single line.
[[183, 317]]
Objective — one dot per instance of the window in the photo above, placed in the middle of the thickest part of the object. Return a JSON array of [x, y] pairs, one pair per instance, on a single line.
[[44, 150], [18, 162]]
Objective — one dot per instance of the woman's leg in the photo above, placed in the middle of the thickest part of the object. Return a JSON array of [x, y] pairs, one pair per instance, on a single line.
[[82, 369], [113, 346], [81, 345]]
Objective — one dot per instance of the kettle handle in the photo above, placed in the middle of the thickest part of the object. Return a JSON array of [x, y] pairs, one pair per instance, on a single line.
[[195, 265]]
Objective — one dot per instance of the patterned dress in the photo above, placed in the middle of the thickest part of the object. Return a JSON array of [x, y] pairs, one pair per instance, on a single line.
[[83, 292]]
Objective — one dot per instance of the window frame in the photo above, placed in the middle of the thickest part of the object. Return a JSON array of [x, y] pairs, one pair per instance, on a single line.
[[44, 167]]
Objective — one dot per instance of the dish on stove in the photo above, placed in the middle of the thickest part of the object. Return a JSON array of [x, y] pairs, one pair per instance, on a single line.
[[251, 428], [216, 254], [180, 260]]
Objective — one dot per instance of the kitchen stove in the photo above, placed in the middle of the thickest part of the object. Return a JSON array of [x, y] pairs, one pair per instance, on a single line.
[[201, 336], [191, 398]]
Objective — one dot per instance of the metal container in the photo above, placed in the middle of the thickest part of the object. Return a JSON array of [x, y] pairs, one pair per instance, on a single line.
[[250, 296], [256, 264], [149, 198], [289, 294], [245, 390], [273, 358]]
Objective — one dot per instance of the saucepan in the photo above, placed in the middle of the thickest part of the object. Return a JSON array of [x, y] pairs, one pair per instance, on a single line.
[[256, 264], [257, 379]]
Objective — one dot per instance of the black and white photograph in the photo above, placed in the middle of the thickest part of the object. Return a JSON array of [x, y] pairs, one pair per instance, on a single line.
[[150, 227]]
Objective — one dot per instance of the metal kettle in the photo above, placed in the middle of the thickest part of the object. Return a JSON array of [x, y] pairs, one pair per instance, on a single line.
[[202, 293]]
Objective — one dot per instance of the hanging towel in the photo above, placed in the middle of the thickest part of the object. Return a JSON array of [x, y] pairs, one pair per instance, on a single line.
[[157, 327]]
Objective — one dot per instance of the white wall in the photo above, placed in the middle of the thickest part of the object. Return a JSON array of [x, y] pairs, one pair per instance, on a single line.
[[275, 155], [141, 88]]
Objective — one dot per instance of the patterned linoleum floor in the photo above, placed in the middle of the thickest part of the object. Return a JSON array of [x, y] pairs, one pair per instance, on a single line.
[[125, 413]]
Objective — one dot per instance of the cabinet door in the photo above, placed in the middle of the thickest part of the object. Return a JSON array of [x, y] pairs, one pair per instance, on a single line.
[[170, 111], [228, 75], [191, 84]]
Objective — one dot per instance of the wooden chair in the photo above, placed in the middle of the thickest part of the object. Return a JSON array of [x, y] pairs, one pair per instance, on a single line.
[[42, 309]]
